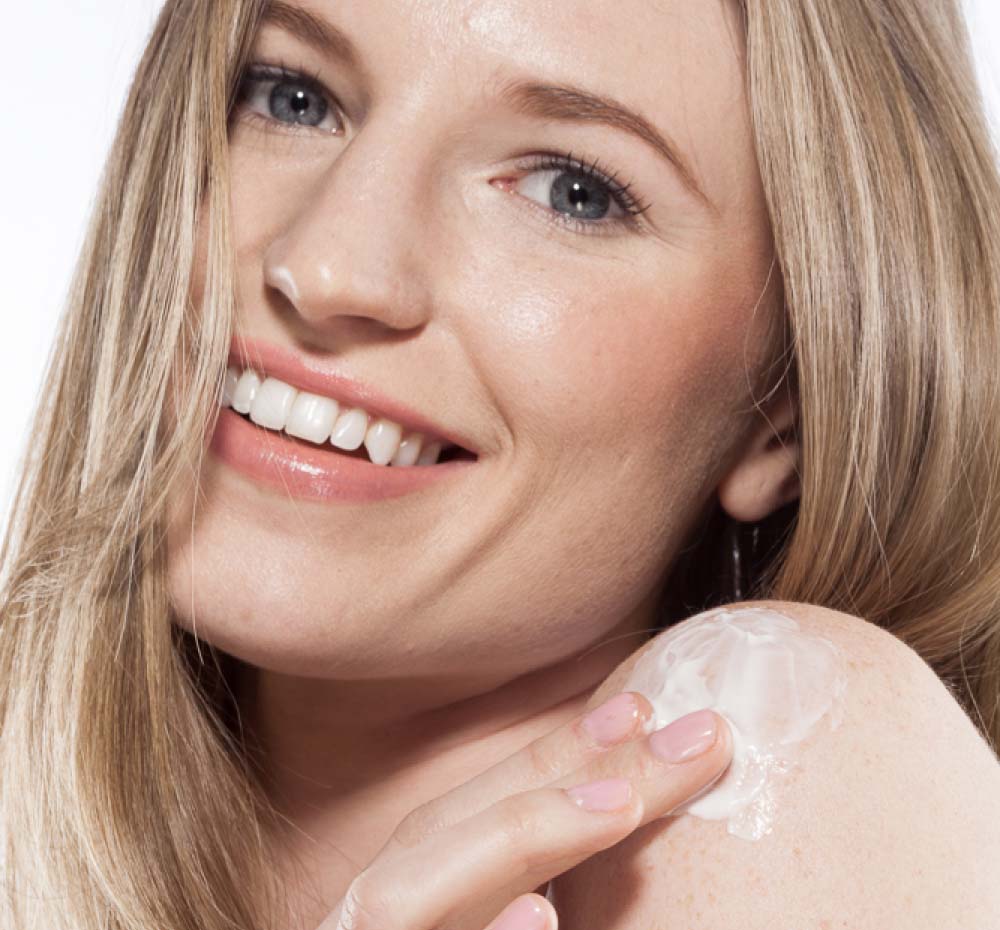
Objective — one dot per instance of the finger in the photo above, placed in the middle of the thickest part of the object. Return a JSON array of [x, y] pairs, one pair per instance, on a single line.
[[523, 840], [559, 752], [696, 747], [528, 912]]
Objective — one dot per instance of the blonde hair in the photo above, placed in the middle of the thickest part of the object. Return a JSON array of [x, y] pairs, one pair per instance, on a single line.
[[129, 796]]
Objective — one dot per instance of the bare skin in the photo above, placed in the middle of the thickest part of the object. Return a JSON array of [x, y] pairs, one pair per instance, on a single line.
[[604, 376]]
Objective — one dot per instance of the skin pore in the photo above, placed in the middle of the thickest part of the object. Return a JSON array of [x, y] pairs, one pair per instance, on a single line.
[[395, 649]]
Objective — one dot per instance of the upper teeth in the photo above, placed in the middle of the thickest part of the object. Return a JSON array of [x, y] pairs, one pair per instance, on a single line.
[[275, 405]]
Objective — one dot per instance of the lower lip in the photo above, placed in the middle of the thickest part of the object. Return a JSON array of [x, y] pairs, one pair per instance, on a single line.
[[312, 473]]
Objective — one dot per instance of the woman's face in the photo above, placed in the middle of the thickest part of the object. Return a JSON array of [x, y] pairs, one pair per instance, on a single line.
[[406, 237]]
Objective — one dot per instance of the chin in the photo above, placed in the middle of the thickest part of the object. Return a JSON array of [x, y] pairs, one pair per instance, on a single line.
[[268, 632]]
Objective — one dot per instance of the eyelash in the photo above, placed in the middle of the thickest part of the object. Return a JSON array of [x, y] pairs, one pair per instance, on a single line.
[[620, 192]]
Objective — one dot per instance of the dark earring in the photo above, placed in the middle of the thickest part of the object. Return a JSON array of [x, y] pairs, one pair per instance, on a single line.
[[736, 564], [740, 566]]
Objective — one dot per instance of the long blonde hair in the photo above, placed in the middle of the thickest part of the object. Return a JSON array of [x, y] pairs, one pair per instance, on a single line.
[[129, 795]]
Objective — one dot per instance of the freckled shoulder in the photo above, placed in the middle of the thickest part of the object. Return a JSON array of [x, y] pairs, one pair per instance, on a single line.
[[890, 821]]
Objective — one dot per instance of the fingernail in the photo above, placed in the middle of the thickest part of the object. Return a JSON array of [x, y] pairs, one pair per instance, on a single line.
[[614, 720], [686, 738], [611, 794], [524, 913]]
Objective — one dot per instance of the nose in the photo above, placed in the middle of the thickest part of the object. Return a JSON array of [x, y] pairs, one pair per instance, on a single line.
[[349, 251]]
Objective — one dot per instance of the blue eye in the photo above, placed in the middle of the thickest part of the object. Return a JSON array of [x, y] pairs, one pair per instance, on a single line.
[[587, 192], [285, 96]]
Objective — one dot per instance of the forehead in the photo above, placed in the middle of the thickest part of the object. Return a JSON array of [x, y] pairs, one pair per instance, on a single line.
[[678, 63]]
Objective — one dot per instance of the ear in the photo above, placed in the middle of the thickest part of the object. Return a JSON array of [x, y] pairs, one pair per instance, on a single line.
[[765, 477]]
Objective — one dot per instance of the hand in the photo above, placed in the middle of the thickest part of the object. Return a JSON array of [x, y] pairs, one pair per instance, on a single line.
[[465, 858]]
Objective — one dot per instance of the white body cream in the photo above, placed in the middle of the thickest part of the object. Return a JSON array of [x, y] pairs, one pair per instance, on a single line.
[[771, 681]]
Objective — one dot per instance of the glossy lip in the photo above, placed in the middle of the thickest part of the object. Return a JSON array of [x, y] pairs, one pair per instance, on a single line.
[[310, 472], [300, 373]]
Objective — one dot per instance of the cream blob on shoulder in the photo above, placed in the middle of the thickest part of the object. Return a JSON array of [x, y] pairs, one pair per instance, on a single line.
[[772, 681]]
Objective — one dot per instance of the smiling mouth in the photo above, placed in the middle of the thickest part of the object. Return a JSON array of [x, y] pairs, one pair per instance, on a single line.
[[323, 421]]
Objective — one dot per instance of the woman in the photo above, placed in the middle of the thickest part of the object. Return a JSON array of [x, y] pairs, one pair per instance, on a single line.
[[758, 301]]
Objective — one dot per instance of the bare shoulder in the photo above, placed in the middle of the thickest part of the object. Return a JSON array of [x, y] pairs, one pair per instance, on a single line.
[[888, 821]]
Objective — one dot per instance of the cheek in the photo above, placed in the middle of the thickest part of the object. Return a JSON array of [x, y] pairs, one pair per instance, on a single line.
[[648, 366], [619, 402]]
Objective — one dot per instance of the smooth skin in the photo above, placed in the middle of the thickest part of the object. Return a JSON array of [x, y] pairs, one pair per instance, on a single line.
[[396, 651]]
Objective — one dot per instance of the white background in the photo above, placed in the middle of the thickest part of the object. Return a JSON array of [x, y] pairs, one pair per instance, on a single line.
[[68, 64]]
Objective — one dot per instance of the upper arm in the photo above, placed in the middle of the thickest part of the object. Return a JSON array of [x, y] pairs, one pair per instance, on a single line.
[[890, 821]]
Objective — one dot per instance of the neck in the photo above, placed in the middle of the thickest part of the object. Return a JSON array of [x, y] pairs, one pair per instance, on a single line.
[[345, 761]]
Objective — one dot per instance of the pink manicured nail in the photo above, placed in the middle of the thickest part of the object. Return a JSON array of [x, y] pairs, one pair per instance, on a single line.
[[522, 914], [613, 720], [687, 737], [611, 794]]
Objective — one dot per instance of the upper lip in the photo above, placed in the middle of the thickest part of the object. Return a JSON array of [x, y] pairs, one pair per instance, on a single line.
[[307, 375]]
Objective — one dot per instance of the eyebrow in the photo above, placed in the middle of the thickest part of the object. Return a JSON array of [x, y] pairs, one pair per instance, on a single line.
[[313, 30], [562, 101]]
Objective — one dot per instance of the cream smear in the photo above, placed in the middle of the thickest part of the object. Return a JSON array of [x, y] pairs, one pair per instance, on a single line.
[[769, 679]]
